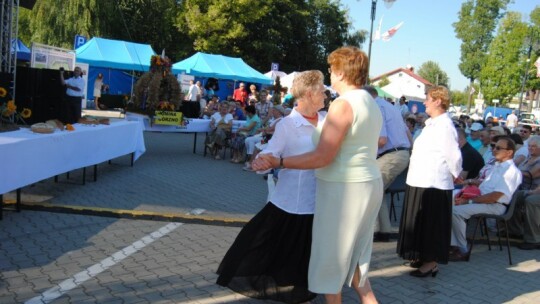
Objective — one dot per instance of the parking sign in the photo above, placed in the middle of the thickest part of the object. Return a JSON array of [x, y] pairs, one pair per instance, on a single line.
[[79, 40]]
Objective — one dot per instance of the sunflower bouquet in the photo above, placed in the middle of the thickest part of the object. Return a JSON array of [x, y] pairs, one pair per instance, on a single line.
[[8, 112]]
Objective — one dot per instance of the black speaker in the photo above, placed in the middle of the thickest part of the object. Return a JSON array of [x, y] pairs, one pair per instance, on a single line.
[[40, 91]]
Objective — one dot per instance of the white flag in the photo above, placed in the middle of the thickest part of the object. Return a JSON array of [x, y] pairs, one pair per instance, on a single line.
[[388, 34], [378, 31]]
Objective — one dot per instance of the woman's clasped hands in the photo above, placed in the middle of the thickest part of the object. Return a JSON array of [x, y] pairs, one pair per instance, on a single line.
[[265, 162]]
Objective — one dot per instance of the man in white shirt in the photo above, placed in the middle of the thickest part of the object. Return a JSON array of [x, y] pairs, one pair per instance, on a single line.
[[74, 94], [193, 92], [496, 193], [511, 121]]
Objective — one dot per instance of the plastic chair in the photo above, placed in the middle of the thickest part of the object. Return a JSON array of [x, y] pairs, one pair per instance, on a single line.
[[397, 186], [224, 148], [481, 219]]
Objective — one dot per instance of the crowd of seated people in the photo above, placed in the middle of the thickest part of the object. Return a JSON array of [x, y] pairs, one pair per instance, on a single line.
[[498, 161]]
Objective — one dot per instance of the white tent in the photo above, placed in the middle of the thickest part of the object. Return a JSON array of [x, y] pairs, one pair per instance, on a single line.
[[287, 80], [275, 74], [411, 90]]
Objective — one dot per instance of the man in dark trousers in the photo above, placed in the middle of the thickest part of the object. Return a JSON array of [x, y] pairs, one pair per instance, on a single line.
[[74, 94]]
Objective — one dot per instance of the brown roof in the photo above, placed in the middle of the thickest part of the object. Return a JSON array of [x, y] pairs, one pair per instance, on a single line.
[[406, 71]]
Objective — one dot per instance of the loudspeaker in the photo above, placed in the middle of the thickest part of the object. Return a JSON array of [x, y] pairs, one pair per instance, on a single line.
[[40, 91]]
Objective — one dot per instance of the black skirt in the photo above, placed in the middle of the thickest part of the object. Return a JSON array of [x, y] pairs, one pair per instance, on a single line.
[[270, 257], [426, 223]]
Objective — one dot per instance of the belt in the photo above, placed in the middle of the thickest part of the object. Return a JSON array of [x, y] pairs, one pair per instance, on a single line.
[[392, 150]]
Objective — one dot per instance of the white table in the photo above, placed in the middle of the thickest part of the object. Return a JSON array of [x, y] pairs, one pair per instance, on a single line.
[[191, 125], [29, 157]]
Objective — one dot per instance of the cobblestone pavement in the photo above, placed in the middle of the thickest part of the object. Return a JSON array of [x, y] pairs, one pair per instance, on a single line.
[[68, 258]]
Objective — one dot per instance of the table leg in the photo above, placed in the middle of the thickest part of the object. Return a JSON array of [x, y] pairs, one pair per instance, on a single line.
[[194, 142], [18, 206]]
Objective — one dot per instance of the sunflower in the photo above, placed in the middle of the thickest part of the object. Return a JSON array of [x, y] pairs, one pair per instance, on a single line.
[[26, 113], [3, 92], [10, 109]]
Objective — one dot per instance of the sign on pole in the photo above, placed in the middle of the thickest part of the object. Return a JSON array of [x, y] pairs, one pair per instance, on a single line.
[[275, 66], [79, 40]]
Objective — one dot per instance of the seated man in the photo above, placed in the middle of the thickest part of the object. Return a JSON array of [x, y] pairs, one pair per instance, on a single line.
[[526, 219], [496, 192]]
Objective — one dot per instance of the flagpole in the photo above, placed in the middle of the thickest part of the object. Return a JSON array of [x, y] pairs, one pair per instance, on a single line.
[[373, 10]]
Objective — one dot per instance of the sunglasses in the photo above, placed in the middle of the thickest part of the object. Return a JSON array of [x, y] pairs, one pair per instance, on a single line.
[[523, 131], [497, 148]]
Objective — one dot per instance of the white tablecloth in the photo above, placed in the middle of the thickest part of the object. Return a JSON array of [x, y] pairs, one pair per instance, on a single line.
[[27, 157], [192, 125]]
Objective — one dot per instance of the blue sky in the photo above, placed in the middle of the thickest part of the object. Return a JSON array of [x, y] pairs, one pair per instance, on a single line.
[[427, 33]]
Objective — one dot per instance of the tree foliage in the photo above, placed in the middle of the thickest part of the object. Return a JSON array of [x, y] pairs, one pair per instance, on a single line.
[[533, 83], [56, 22], [501, 76], [458, 97], [297, 34], [477, 22], [431, 71]]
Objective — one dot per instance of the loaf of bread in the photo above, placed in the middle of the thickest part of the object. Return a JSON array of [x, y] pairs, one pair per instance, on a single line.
[[42, 127]]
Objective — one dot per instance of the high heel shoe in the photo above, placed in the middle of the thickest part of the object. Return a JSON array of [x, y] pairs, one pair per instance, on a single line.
[[419, 274], [415, 264]]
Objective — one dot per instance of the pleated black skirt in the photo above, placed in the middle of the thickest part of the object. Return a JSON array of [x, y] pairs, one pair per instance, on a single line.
[[270, 257], [426, 223]]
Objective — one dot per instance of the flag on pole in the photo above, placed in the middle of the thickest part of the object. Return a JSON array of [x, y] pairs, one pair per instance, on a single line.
[[378, 31], [388, 34], [537, 65]]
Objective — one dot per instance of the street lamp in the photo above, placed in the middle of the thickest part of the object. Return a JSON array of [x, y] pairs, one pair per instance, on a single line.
[[388, 4], [531, 41]]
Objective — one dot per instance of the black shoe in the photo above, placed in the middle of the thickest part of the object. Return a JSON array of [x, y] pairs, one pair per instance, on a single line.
[[457, 256], [417, 273], [381, 237], [529, 246]]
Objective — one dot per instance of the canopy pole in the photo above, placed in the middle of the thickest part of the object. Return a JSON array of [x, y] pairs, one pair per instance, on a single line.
[[132, 80]]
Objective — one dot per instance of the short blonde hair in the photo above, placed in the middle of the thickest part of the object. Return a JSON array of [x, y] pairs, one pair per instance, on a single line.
[[440, 92], [352, 62], [306, 81]]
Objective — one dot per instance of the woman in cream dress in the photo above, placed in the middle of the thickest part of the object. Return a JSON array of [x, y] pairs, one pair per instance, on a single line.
[[349, 185]]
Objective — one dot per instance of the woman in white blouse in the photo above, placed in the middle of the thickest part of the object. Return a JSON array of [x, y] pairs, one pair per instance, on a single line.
[[426, 220], [221, 126], [269, 259]]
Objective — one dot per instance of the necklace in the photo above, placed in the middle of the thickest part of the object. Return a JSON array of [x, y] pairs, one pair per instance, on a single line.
[[311, 117]]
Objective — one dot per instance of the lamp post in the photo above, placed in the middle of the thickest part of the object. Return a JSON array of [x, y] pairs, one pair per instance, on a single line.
[[531, 40], [388, 4]]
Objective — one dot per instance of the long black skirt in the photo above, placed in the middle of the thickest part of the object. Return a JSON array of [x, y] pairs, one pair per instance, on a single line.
[[426, 225], [270, 257]]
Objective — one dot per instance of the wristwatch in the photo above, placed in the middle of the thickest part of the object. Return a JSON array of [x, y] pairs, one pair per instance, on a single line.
[[281, 163]]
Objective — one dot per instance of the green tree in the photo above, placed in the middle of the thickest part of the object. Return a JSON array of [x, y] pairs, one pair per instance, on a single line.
[[296, 33], [458, 97], [384, 82], [533, 83], [56, 22], [431, 71], [475, 27], [501, 78]]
